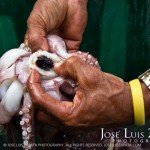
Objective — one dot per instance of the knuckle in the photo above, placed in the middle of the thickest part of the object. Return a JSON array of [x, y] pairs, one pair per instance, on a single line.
[[96, 76], [93, 77], [33, 41], [30, 21], [66, 117], [33, 38], [72, 60], [70, 119], [70, 122]]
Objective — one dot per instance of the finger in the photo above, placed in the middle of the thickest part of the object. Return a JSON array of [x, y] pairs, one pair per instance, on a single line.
[[72, 68], [34, 77], [45, 17], [75, 21], [47, 119], [37, 37], [26, 37], [60, 109]]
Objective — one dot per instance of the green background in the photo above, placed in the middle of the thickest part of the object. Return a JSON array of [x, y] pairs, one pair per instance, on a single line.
[[117, 33]]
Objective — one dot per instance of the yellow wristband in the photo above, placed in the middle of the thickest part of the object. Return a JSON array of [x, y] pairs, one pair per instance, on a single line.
[[138, 102]]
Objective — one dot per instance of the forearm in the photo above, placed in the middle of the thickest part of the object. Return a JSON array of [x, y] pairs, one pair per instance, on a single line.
[[120, 102]]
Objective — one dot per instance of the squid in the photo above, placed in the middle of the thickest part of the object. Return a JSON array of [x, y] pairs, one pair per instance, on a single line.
[[15, 66]]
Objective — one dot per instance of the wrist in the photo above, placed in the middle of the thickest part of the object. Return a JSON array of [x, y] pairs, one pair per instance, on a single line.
[[128, 104], [121, 100], [146, 96]]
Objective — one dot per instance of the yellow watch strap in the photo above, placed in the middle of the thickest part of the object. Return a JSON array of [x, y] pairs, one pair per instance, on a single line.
[[138, 102]]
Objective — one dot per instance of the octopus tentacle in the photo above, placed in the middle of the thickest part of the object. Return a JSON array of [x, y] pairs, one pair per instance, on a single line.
[[4, 115], [57, 44], [27, 122], [4, 87], [88, 58], [13, 55], [10, 105], [7, 74], [21, 70]]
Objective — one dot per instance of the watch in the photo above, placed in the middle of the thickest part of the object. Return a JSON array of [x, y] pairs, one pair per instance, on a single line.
[[145, 77]]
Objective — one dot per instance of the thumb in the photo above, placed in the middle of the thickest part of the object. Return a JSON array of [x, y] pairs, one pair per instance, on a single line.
[[71, 68], [37, 38]]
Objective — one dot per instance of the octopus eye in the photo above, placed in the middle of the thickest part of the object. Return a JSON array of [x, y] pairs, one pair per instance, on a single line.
[[44, 63]]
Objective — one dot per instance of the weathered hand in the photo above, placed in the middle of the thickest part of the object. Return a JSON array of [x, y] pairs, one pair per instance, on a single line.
[[101, 99], [66, 18]]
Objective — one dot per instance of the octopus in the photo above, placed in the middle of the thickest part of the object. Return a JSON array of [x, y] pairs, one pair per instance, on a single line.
[[15, 66]]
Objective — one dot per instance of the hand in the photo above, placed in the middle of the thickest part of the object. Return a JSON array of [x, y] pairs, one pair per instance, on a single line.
[[66, 18], [47, 119], [101, 99]]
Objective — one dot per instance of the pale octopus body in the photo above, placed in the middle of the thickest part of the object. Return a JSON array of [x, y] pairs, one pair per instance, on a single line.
[[15, 68]]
